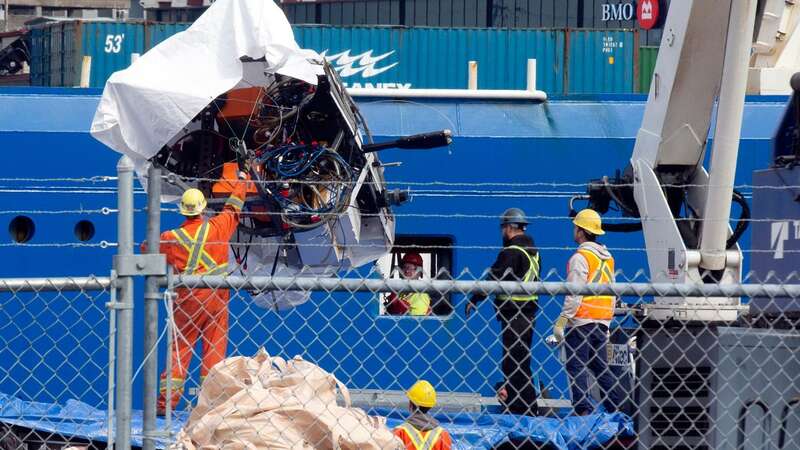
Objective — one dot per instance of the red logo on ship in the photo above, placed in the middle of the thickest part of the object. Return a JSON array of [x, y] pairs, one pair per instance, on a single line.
[[647, 13]]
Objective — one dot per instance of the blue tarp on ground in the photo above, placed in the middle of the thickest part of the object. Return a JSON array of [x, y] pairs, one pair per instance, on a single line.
[[72, 419], [486, 431], [469, 431]]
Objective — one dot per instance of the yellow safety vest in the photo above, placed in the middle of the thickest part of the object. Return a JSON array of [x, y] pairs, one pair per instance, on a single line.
[[531, 274], [418, 303], [198, 261], [422, 441], [597, 307]]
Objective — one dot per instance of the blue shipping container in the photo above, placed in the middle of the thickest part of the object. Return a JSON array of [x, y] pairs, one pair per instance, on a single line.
[[159, 32], [110, 44], [438, 57], [427, 57], [58, 50], [600, 62], [40, 51]]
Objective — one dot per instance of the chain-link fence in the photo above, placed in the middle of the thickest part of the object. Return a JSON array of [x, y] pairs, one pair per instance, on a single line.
[[290, 377], [653, 383], [56, 344]]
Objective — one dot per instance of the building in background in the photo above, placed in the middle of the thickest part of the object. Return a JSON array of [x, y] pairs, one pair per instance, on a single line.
[[24, 11]]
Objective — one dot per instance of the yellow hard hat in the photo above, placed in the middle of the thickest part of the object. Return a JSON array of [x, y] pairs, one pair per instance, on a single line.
[[589, 220], [422, 394], [193, 203]]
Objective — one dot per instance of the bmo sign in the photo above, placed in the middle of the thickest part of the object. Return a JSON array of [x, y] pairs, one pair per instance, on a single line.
[[645, 11], [619, 11]]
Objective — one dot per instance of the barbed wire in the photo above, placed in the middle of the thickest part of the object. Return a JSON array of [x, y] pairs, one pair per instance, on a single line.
[[404, 247], [493, 216], [93, 179], [169, 178], [103, 211], [439, 183], [460, 216], [101, 244], [64, 191], [55, 187]]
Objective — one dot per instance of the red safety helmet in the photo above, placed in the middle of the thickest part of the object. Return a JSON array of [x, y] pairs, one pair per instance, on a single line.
[[412, 258]]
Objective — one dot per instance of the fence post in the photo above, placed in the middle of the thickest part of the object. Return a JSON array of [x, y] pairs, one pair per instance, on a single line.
[[151, 298], [125, 306], [112, 356]]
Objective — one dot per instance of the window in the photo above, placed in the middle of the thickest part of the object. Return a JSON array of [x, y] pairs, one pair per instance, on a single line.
[[436, 255], [55, 12], [15, 10]]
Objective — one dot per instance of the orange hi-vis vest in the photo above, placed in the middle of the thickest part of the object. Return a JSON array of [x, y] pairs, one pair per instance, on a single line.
[[199, 260], [597, 307], [435, 439]]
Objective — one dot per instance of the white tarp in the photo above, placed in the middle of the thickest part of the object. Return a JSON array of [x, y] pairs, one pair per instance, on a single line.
[[144, 106]]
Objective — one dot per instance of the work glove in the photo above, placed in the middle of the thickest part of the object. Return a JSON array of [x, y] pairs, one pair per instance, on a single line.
[[558, 331], [244, 170]]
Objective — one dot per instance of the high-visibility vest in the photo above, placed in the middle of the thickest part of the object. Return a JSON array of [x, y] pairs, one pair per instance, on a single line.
[[425, 440], [601, 271], [419, 303], [198, 261], [530, 275]]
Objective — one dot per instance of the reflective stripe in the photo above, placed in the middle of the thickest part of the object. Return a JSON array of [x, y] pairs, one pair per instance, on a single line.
[[422, 441], [603, 270], [197, 247], [531, 274], [216, 270], [183, 238], [236, 202], [413, 434], [198, 256], [209, 264], [177, 385], [433, 438]]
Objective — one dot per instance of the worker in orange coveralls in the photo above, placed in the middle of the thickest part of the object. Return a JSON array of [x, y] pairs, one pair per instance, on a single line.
[[200, 246]]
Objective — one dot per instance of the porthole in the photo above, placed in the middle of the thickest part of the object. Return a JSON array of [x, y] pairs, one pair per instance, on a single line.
[[21, 229], [84, 230]]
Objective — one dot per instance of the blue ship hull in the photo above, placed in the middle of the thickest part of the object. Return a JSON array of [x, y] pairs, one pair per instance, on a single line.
[[537, 156]]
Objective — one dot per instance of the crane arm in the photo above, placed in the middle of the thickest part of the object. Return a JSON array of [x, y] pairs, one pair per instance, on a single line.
[[703, 60]]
